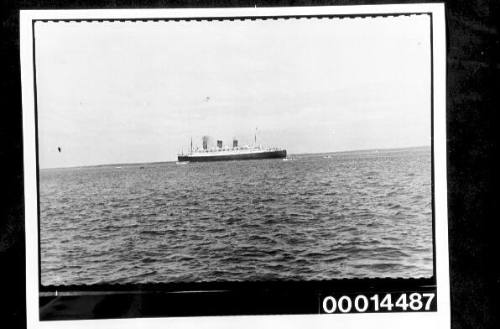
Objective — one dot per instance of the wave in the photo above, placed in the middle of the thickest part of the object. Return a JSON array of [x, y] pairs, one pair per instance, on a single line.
[[239, 220]]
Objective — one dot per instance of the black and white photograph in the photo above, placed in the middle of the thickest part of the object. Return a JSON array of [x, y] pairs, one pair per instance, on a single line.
[[211, 151]]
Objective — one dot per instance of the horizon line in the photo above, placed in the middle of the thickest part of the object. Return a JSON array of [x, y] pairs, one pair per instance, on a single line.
[[155, 162]]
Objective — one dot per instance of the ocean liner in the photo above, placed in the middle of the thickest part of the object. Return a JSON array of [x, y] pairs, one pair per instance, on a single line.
[[226, 153]]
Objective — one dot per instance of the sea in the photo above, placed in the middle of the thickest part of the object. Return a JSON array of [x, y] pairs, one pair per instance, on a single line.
[[361, 214]]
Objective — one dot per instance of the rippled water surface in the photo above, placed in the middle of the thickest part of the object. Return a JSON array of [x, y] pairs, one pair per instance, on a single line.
[[313, 217]]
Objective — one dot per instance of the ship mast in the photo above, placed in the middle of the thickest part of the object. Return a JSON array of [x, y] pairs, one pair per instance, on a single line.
[[191, 145], [255, 137]]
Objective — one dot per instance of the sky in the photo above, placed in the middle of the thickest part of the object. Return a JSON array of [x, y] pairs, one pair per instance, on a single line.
[[135, 92]]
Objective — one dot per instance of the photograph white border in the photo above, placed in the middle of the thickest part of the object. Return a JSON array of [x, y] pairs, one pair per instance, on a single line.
[[439, 319]]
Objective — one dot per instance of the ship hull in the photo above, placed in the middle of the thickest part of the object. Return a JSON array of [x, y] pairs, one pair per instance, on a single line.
[[231, 157]]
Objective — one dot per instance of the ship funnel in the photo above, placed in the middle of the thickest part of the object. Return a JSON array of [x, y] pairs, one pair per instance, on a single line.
[[205, 142], [235, 143], [219, 144]]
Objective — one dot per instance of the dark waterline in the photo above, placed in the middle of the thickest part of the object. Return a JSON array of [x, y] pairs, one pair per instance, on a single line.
[[314, 217]]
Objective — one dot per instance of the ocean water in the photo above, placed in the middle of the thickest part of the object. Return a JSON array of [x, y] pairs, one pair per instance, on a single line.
[[313, 217]]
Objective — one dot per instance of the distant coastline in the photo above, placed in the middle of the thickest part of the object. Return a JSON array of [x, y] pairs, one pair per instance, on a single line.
[[135, 164]]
